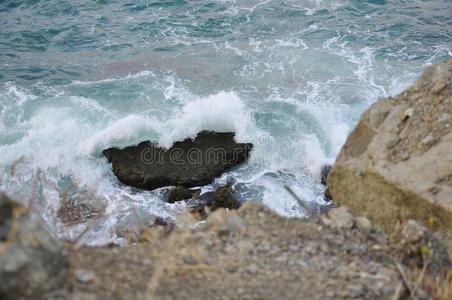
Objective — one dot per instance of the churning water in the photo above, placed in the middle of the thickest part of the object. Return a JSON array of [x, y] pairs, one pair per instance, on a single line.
[[290, 76]]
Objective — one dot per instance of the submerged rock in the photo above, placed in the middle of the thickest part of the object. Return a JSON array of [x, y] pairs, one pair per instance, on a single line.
[[180, 193], [208, 202], [324, 173], [224, 198], [32, 262], [188, 163], [397, 163]]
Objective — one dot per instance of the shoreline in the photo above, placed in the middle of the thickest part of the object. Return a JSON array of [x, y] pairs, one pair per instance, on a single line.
[[377, 245]]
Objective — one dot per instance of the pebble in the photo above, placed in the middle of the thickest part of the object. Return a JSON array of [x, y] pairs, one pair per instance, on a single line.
[[231, 269], [408, 113], [423, 295], [189, 260], [427, 140], [405, 156], [445, 117], [392, 141], [85, 276], [253, 269], [341, 216], [363, 223], [294, 248]]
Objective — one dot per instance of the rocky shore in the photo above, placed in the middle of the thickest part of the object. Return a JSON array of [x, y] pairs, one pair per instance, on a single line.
[[397, 163], [389, 238]]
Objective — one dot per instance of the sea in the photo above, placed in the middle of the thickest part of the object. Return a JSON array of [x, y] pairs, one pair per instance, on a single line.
[[290, 76]]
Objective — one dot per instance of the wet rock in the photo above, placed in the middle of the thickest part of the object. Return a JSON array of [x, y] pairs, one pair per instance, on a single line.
[[324, 173], [164, 222], [388, 169], [32, 261], [6, 214], [180, 193], [189, 163], [75, 212], [224, 198], [327, 195]]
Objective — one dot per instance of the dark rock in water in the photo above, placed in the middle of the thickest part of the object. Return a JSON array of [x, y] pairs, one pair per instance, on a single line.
[[6, 214], [182, 193], [324, 173], [188, 163], [165, 222], [327, 195], [326, 169], [224, 198], [32, 261], [207, 198]]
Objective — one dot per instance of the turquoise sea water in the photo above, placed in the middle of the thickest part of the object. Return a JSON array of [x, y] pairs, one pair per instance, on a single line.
[[290, 76]]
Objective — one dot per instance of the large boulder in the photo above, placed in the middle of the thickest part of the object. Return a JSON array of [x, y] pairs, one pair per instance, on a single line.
[[32, 262], [397, 163], [188, 163]]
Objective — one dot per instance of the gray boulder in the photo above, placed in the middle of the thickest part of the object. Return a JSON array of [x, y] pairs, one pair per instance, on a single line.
[[32, 262]]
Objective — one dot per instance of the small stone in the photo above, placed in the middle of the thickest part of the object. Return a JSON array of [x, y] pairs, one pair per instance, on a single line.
[[434, 190], [224, 198], [182, 193], [405, 156], [294, 248], [392, 141], [422, 295], [252, 269], [363, 223], [16, 262], [445, 117], [225, 222], [189, 260], [264, 246], [427, 140], [85, 276], [413, 231], [341, 216], [235, 222], [231, 269], [408, 113]]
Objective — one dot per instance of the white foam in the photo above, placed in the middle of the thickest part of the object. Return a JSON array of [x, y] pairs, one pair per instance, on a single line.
[[122, 132], [221, 112]]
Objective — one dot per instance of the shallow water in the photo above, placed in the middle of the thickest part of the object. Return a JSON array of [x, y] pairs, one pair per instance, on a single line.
[[290, 76]]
